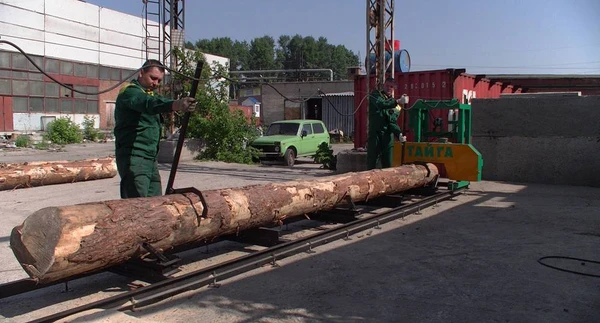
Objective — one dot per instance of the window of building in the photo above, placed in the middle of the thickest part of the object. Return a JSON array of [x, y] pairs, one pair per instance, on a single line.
[[66, 106], [115, 74], [5, 86], [20, 105], [20, 75], [19, 61], [52, 66], [79, 95], [51, 105], [52, 89], [36, 104], [36, 76], [104, 73], [92, 107], [66, 68], [19, 87], [80, 70], [5, 73], [80, 106], [36, 88], [5, 59], [92, 89], [66, 92], [39, 61], [92, 71]]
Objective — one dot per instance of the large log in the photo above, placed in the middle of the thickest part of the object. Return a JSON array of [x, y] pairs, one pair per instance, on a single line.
[[23, 175], [59, 242]]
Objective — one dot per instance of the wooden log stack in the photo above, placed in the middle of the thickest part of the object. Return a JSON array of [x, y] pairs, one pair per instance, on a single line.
[[24, 175], [59, 242]]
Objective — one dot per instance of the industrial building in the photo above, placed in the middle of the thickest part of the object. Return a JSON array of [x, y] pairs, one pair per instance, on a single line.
[[82, 45]]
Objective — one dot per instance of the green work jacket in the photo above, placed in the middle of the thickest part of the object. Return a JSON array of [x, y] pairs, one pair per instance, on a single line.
[[383, 114], [138, 121]]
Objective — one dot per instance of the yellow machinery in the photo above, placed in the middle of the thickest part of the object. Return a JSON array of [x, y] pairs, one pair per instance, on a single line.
[[447, 144]]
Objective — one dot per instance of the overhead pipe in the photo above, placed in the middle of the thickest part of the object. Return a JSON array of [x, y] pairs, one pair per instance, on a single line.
[[287, 71]]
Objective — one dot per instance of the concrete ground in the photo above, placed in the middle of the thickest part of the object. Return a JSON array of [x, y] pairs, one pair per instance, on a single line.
[[470, 260]]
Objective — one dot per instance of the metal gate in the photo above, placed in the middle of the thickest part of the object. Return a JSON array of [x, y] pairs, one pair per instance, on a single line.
[[6, 114], [110, 115]]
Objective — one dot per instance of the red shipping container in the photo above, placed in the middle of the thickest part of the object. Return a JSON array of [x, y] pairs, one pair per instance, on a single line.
[[426, 85]]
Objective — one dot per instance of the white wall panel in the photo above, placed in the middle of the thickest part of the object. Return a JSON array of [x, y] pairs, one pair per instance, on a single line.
[[21, 32], [29, 46], [33, 121], [21, 17], [70, 28], [72, 53], [69, 42], [120, 51], [122, 40], [27, 121], [116, 60], [121, 22], [74, 10], [33, 5]]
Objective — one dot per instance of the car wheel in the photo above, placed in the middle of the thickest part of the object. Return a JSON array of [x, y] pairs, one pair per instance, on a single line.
[[290, 157]]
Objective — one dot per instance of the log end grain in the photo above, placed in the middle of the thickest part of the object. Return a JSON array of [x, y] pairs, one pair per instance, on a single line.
[[33, 242]]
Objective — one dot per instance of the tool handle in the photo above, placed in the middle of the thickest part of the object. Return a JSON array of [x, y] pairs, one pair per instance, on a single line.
[[183, 129]]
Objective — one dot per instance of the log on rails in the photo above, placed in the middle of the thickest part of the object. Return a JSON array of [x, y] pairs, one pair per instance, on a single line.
[[59, 242], [23, 175]]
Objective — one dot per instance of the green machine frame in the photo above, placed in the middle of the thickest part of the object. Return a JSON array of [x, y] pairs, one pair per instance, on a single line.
[[421, 121], [435, 130]]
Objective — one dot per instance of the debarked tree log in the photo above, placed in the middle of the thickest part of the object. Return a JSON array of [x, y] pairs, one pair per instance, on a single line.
[[23, 175], [55, 243]]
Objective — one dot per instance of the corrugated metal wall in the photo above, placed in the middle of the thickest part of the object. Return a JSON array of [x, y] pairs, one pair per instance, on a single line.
[[338, 113]]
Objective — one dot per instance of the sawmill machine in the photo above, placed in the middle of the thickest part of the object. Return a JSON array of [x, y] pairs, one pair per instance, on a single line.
[[443, 142]]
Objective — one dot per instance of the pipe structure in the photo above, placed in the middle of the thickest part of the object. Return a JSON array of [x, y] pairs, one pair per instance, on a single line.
[[287, 71]]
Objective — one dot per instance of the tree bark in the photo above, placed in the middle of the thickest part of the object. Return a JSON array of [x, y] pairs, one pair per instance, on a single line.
[[13, 176], [58, 242]]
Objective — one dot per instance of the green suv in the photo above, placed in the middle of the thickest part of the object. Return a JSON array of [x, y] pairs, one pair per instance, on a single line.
[[290, 139]]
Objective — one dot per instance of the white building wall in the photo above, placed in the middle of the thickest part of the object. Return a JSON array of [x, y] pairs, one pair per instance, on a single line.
[[28, 122], [77, 31]]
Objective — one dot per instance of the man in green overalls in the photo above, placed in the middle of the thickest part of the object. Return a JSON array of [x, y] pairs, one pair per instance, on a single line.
[[138, 130], [383, 116]]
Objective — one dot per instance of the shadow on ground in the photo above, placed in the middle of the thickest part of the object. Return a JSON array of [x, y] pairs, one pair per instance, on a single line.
[[474, 261]]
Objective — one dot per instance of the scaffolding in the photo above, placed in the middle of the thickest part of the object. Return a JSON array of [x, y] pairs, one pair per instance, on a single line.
[[164, 25], [380, 40]]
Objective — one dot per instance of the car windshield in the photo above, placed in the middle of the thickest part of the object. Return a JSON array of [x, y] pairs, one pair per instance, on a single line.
[[287, 129]]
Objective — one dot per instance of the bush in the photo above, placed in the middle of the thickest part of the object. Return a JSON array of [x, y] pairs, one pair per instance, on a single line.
[[325, 156], [89, 132], [43, 145], [23, 141], [63, 131]]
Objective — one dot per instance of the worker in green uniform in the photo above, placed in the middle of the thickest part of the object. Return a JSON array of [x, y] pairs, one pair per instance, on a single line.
[[384, 111], [138, 129]]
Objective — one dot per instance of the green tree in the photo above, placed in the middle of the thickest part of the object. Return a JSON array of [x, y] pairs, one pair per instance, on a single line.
[[226, 133], [261, 55], [289, 52]]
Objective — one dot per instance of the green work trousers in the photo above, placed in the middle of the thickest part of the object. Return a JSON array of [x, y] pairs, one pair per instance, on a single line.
[[380, 145], [139, 177]]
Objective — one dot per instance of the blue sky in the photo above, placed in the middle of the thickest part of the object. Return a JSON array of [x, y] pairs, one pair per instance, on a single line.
[[485, 37]]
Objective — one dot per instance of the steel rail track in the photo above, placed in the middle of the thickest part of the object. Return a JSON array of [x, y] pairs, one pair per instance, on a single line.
[[210, 276]]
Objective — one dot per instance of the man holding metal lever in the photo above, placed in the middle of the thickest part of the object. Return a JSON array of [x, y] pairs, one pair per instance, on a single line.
[[138, 124], [384, 110]]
